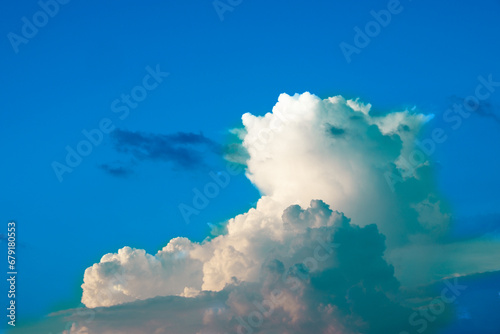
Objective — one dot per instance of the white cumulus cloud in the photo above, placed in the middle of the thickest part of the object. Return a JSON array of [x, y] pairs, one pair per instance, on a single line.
[[306, 156]]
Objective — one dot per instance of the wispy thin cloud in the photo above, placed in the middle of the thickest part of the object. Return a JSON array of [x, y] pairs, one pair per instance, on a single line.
[[118, 171], [483, 109], [182, 150]]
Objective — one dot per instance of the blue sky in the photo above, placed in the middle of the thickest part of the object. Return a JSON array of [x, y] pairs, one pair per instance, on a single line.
[[65, 78]]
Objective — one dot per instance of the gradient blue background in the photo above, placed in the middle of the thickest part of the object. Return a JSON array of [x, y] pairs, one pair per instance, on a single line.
[[65, 78]]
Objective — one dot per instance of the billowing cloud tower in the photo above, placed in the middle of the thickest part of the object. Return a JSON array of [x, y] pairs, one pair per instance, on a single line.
[[344, 193]]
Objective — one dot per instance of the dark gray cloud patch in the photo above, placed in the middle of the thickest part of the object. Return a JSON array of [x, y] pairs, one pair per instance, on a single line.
[[183, 150], [118, 171], [483, 108]]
